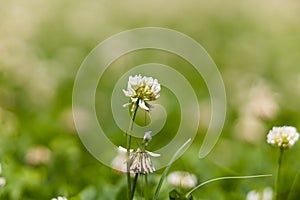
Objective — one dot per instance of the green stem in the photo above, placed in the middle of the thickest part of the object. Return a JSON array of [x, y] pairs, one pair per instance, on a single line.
[[134, 184], [128, 150], [128, 167], [276, 187], [223, 178], [293, 185], [146, 188]]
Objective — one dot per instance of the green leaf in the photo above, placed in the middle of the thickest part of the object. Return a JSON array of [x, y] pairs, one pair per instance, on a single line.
[[175, 195]]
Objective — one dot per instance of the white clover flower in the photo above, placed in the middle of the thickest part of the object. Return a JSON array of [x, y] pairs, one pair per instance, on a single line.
[[283, 137], [141, 89], [60, 198], [2, 181], [182, 179], [253, 195], [140, 162], [266, 194]]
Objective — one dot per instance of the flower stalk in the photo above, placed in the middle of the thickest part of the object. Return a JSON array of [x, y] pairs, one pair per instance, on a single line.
[[128, 152], [277, 181], [134, 185]]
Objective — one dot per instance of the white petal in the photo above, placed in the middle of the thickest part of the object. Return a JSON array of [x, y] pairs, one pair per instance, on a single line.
[[143, 105], [122, 149], [153, 154], [134, 100], [126, 92], [126, 105]]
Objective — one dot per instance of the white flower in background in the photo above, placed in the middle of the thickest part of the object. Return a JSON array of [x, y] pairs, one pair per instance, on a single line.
[[266, 194], [283, 137], [140, 162], [253, 195], [38, 155], [262, 102], [60, 198], [182, 179], [141, 89], [2, 181], [250, 129]]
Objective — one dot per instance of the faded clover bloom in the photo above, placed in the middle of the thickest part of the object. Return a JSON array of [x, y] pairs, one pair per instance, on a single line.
[[283, 137], [140, 162], [60, 198], [182, 179], [140, 90]]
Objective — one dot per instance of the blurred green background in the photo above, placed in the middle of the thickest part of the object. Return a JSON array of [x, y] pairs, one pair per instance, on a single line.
[[255, 44]]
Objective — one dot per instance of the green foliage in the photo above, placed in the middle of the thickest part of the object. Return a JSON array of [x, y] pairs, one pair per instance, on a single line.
[[175, 195]]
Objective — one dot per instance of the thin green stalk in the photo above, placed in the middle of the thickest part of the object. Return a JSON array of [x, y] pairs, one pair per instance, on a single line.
[[128, 151], [276, 187], [223, 178], [134, 185], [128, 168], [146, 188], [167, 169], [293, 185]]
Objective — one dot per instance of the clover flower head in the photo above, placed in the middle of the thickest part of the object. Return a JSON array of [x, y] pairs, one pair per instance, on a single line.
[[182, 179], [141, 89], [140, 162], [60, 198], [283, 137]]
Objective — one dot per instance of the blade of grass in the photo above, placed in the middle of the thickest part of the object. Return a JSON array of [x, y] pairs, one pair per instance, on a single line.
[[293, 185], [223, 178], [168, 167]]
